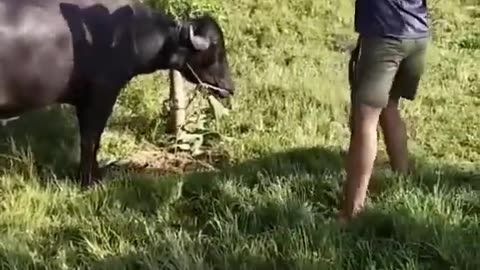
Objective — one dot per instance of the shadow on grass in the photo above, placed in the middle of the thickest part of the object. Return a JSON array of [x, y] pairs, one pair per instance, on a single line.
[[396, 238], [315, 169], [274, 213], [294, 194], [379, 239], [316, 174], [49, 135], [430, 174], [16, 259]]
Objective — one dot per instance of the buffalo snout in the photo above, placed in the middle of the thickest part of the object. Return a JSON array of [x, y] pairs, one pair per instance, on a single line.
[[226, 87]]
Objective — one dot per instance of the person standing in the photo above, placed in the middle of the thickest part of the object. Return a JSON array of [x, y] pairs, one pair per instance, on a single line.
[[386, 66]]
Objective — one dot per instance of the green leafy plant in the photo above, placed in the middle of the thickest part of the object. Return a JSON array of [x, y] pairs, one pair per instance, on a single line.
[[186, 8]]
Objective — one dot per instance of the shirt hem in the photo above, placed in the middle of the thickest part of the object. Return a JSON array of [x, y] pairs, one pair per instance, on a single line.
[[399, 36]]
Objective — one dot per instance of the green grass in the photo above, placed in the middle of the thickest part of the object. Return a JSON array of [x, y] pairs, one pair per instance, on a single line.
[[271, 204]]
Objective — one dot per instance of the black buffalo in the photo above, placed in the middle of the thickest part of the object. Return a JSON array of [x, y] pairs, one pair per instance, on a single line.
[[84, 52]]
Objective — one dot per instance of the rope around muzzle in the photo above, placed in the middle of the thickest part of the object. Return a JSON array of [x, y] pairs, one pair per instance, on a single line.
[[204, 84], [199, 87]]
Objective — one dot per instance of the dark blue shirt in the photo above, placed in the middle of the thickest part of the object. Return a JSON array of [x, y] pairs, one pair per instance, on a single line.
[[394, 18]]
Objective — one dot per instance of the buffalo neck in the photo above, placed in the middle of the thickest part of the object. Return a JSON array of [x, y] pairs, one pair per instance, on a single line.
[[156, 43]]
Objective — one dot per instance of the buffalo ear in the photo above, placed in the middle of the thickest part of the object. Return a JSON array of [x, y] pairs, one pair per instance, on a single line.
[[199, 43]]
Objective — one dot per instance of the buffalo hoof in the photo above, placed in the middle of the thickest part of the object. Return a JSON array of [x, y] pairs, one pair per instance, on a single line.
[[88, 179]]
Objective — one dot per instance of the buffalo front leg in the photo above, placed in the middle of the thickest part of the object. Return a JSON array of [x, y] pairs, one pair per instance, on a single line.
[[92, 119]]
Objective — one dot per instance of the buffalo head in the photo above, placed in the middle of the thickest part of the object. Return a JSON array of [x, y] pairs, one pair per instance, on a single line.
[[202, 49]]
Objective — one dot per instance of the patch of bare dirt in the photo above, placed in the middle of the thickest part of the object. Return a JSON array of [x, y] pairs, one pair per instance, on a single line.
[[163, 162]]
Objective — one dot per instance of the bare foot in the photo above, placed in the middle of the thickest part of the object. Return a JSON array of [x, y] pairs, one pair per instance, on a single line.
[[342, 219]]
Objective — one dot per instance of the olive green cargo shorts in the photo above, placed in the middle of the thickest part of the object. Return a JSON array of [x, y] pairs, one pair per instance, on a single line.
[[384, 68]]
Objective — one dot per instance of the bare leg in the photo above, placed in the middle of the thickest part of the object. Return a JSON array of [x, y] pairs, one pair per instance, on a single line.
[[361, 157], [395, 135]]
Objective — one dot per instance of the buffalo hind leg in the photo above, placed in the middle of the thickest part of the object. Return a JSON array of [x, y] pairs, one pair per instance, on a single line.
[[92, 118]]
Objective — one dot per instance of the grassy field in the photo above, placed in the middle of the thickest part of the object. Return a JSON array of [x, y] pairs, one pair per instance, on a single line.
[[270, 202]]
